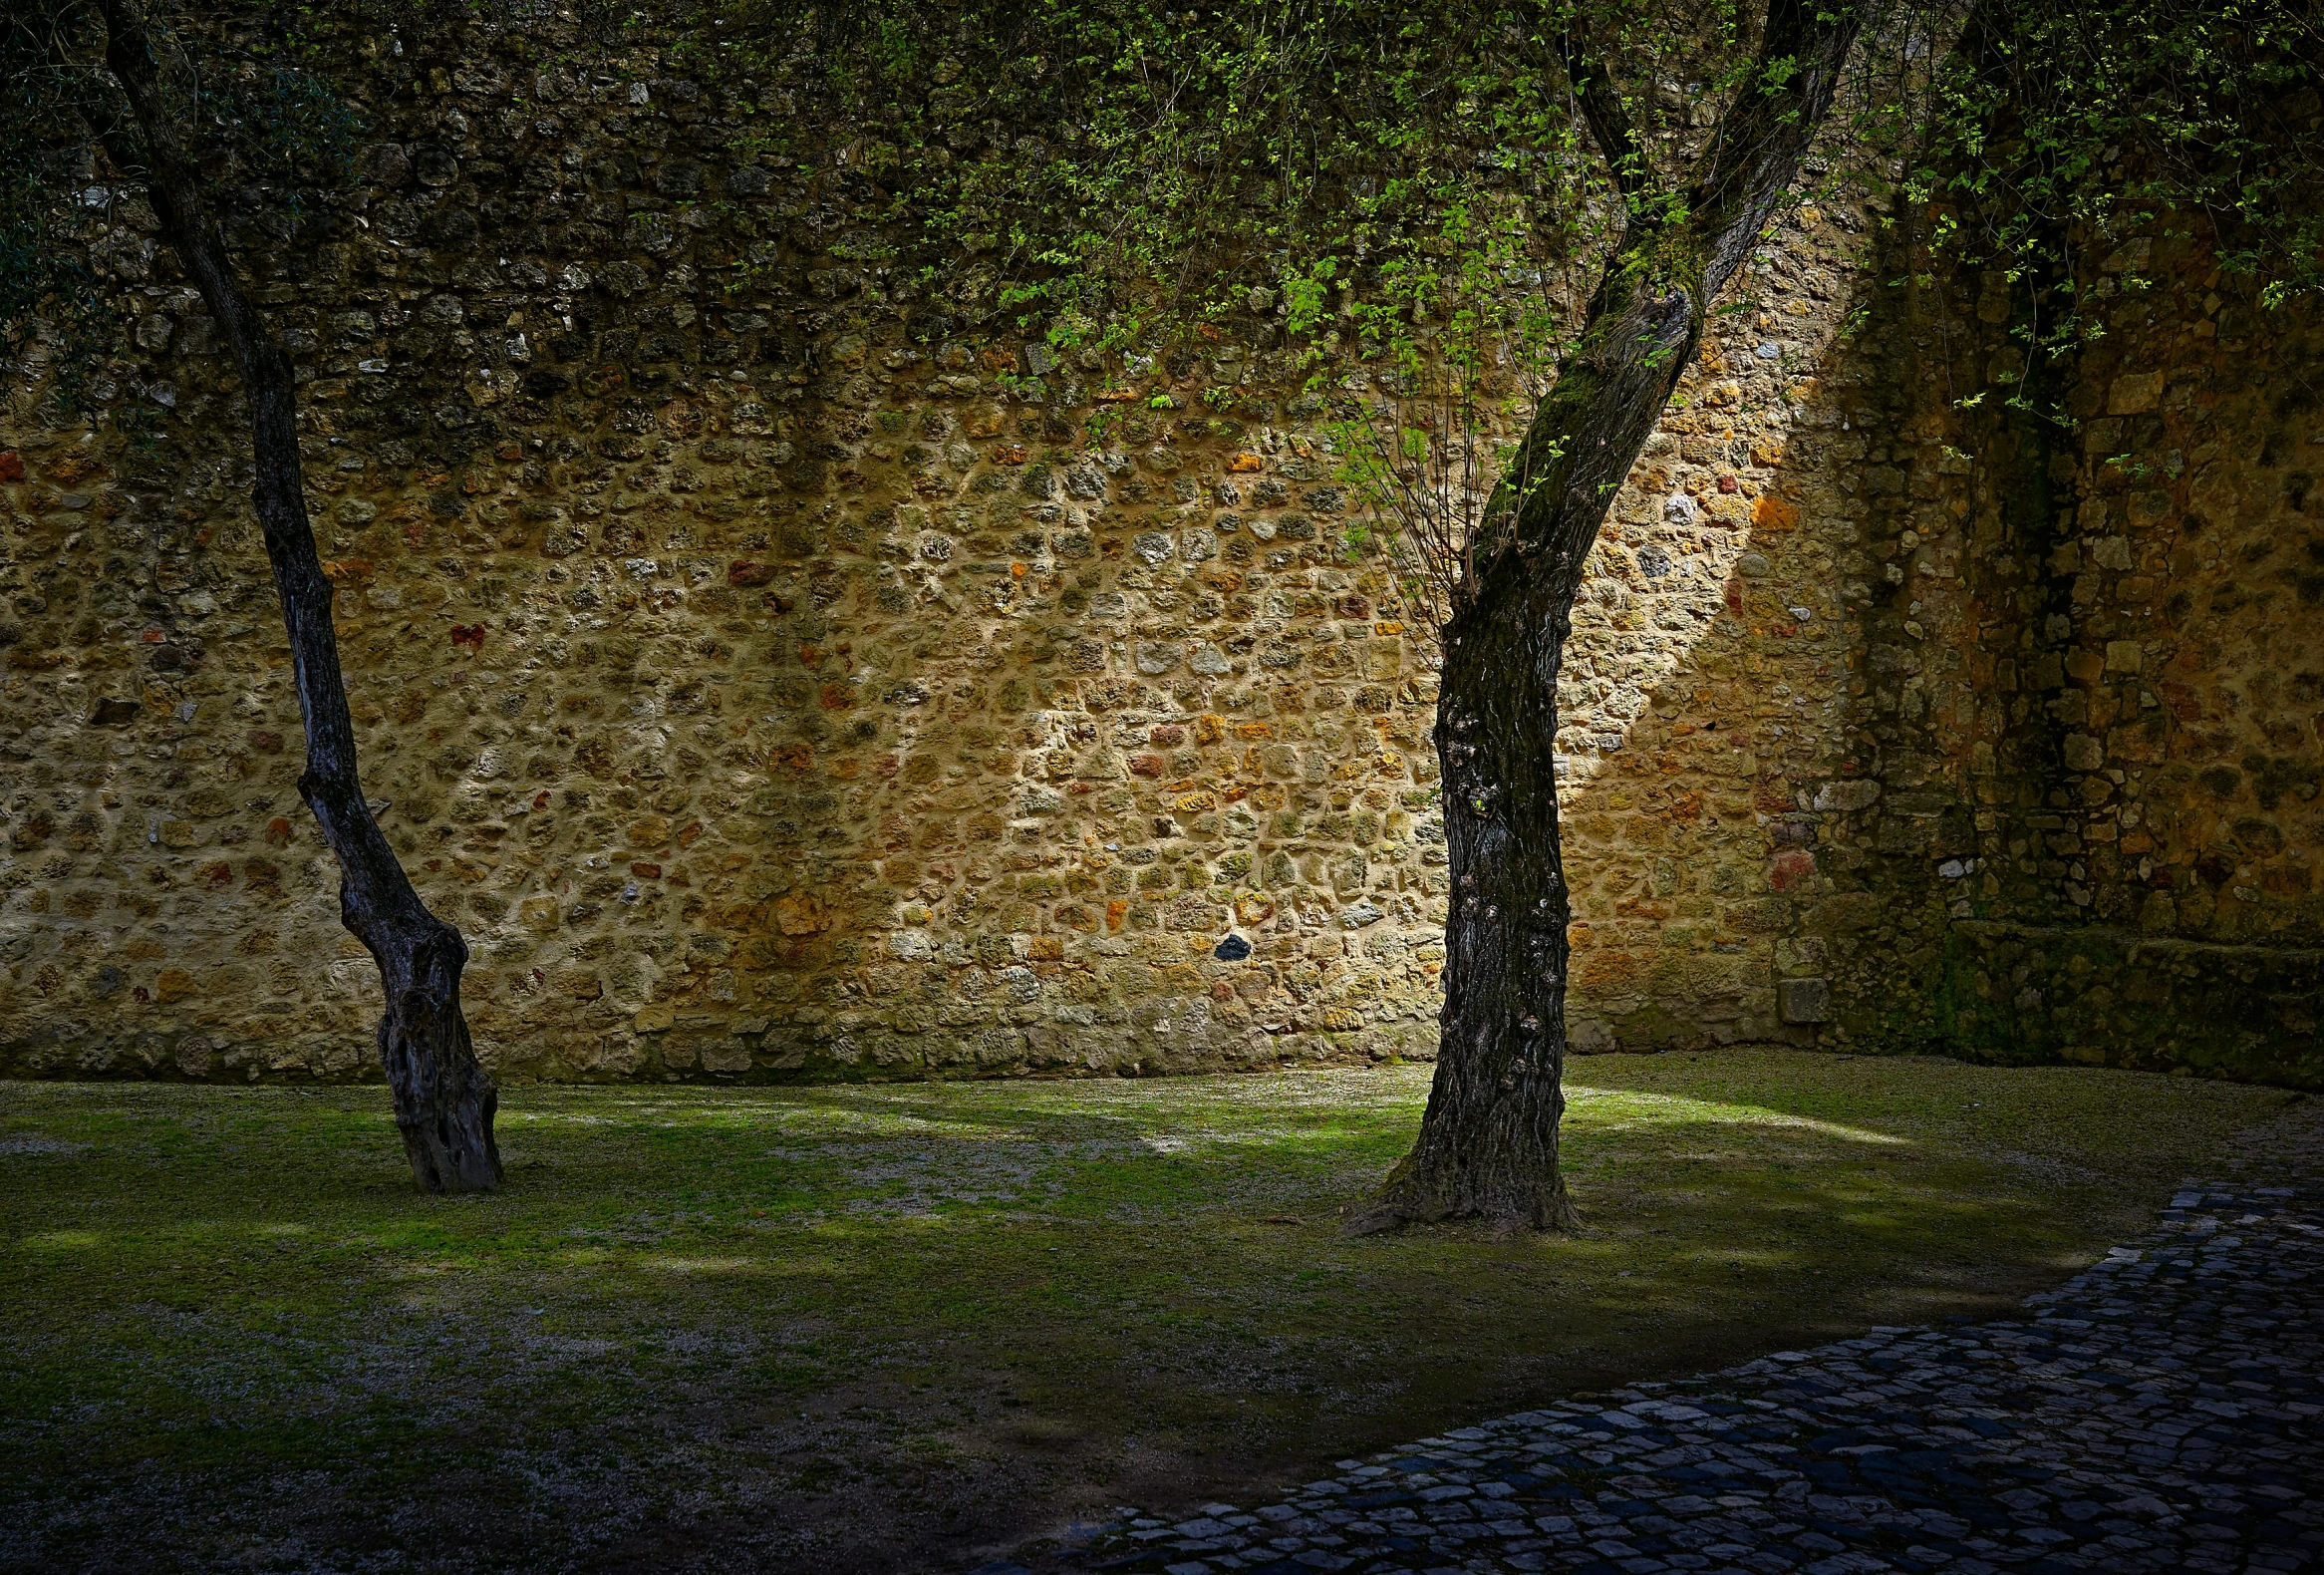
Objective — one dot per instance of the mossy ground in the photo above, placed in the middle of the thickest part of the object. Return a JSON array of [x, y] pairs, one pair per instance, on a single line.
[[886, 1328]]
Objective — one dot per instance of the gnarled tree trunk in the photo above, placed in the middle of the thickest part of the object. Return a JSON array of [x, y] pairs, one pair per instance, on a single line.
[[1487, 1143], [444, 1100]]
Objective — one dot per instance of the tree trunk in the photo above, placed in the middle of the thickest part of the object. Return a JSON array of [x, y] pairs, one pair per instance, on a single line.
[[444, 1100], [1487, 1143]]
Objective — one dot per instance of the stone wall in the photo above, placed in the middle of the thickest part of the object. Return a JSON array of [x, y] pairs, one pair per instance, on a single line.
[[2091, 703], [778, 671]]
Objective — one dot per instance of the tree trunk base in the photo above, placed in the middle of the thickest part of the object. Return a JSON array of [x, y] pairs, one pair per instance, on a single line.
[[444, 1100], [453, 1152], [1511, 1210]]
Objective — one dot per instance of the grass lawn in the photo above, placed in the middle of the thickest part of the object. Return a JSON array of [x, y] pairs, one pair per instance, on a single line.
[[889, 1327]]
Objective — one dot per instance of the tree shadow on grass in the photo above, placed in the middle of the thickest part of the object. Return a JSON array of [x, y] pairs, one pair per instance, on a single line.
[[680, 1339]]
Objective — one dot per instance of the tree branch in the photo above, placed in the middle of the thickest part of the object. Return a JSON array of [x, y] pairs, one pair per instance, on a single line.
[[1743, 175], [1646, 316], [1603, 111]]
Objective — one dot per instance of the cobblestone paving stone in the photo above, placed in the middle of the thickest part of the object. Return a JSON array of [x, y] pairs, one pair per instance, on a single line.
[[2165, 1410]]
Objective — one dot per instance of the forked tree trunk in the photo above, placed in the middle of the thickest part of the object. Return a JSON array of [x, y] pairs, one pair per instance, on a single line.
[[444, 1100], [1488, 1143]]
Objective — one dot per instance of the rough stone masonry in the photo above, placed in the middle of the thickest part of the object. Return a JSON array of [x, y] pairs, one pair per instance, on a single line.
[[779, 669]]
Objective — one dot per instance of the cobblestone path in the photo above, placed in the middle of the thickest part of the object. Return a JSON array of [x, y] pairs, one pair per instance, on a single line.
[[2165, 1410]]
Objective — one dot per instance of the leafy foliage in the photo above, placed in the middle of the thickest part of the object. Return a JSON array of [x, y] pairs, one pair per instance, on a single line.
[[1179, 156], [1406, 195]]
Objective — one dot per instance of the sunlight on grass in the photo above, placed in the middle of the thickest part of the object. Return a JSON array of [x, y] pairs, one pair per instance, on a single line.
[[1610, 1111]]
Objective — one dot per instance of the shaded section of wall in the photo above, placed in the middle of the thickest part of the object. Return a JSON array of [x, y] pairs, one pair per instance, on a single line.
[[2022, 993], [2090, 707]]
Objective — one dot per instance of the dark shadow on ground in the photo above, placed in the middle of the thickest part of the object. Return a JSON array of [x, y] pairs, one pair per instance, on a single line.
[[886, 1329]]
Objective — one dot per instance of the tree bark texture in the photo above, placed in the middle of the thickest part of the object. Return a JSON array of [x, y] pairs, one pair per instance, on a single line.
[[1487, 1143], [444, 1100]]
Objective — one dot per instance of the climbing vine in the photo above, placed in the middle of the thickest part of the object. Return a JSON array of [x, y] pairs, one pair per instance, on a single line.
[[2059, 130], [1410, 198]]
